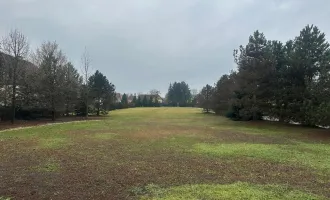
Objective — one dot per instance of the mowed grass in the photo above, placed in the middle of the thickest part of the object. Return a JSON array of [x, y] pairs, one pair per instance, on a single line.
[[165, 153], [316, 156], [231, 192]]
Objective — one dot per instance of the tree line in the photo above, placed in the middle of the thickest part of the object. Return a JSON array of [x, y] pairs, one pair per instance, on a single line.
[[43, 83], [178, 95], [152, 99], [288, 82]]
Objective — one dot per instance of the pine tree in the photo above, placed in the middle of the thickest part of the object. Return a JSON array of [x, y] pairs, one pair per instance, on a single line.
[[204, 98], [179, 94], [223, 93], [73, 81], [134, 101], [309, 63], [145, 101], [124, 101], [254, 71], [101, 91], [139, 102]]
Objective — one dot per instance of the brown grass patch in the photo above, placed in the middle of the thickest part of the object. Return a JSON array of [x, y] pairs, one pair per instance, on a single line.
[[109, 169]]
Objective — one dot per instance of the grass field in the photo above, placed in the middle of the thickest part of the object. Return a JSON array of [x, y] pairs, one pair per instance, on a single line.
[[165, 153]]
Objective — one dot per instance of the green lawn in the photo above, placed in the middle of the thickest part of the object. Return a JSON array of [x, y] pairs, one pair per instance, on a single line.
[[165, 153]]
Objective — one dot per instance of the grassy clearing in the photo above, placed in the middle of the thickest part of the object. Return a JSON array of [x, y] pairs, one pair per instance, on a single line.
[[309, 155], [231, 192], [189, 154]]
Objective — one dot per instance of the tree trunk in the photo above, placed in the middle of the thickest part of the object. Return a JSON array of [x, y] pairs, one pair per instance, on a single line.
[[67, 110], [281, 118], [53, 109], [86, 102], [13, 100], [53, 115], [98, 110], [254, 107]]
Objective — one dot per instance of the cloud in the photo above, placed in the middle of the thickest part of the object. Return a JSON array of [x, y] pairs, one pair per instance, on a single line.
[[140, 45]]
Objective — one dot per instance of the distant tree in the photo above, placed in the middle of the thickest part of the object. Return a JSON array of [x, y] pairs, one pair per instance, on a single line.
[[154, 92], [86, 71], [124, 101], [223, 95], [134, 101], [139, 101], [179, 94], [194, 94], [101, 91], [204, 98], [145, 101], [16, 45], [109, 99], [156, 103], [151, 102]]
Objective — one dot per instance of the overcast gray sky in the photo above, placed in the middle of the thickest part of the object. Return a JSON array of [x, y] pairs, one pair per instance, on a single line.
[[144, 44]]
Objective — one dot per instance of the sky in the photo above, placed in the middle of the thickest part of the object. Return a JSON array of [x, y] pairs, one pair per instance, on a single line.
[[146, 44]]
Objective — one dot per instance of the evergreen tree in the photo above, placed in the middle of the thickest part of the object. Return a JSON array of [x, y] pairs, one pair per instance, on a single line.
[[135, 101], [254, 71], [308, 64], [101, 91], [288, 82], [179, 94], [72, 81], [145, 101], [124, 101], [204, 98], [139, 102], [223, 94]]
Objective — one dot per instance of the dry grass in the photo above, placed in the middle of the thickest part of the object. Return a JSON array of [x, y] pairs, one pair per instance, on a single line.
[[174, 149]]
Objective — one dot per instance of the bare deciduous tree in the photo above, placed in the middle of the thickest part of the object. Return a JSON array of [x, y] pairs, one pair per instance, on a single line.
[[86, 72], [16, 45], [154, 92]]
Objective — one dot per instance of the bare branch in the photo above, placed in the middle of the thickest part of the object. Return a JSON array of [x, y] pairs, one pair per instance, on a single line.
[[86, 62], [15, 44], [86, 66]]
